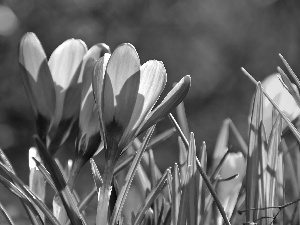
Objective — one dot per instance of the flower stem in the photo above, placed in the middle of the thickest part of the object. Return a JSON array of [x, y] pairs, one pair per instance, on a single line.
[[102, 217]]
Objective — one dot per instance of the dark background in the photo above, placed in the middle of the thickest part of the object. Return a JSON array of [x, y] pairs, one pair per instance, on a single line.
[[207, 39]]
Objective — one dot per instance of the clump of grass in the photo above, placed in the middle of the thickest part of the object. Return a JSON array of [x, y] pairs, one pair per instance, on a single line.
[[108, 98]]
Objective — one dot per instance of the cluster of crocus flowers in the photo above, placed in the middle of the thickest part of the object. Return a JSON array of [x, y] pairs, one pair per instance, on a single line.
[[108, 94]]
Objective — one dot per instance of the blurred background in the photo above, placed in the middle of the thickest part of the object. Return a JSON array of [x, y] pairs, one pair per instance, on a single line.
[[207, 39]]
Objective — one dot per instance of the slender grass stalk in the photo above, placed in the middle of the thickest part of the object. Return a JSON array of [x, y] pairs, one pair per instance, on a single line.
[[202, 173]]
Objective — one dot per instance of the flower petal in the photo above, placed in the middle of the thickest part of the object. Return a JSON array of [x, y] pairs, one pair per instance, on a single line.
[[152, 83], [88, 64], [281, 97], [64, 65], [174, 97], [120, 87], [36, 76], [97, 83], [89, 124], [65, 61]]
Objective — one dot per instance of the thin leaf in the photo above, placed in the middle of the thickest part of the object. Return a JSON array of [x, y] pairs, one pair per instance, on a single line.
[[46, 174], [252, 156], [96, 175], [161, 137], [156, 190], [87, 199], [182, 119], [288, 85], [65, 194], [275, 138], [202, 173], [262, 157], [193, 203], [290, 125], [176, 189], [291, 71], [184, 200], [27, 201], [129, 177], [6, 161], [5, 215], [25, 190]]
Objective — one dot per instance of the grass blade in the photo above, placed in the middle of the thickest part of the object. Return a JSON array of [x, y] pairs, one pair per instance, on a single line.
[[182, 119], [5, 215], [65, 194], [252, 156], [290, 71], [156, 190], [129, 177], [30, 195], [288, 85], [193, 204], [96, 175], [46, 174], [161, 137], [202, 173], [176, 189], [25, 199]]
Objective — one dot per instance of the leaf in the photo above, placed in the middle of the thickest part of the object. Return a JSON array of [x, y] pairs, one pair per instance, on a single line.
[[288, 85], [5, 215], [202, 172], [129, 177], [27, 201], [25, 190], [161, 137], [46, 174], [275, 138], [6, 161], [182, 119], [193, 194], [252, 156], [96, 175], [65, 194], [156, 190], [176, 194], [291, 71], [183, 208], [87, 199]]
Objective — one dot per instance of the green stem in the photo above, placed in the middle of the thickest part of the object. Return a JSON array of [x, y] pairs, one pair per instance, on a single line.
[[102, 217]]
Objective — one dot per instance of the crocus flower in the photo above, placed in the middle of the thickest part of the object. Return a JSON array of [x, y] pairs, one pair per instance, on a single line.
[[281, 97], [52, 87], [125, 93], [88, 138]]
